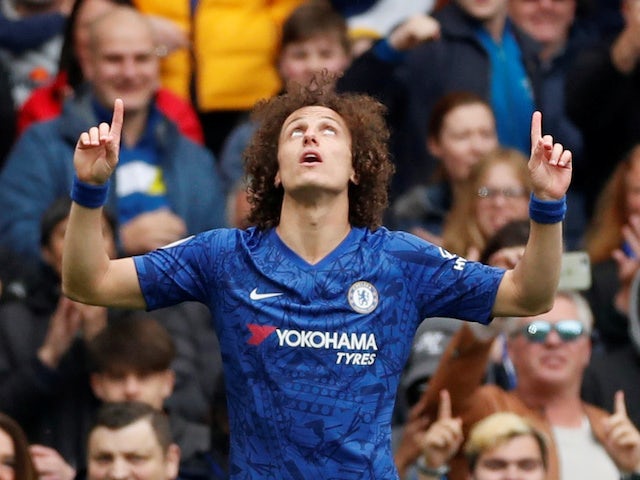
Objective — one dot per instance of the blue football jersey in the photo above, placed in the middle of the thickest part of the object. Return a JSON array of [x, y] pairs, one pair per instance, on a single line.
[[313, 353]]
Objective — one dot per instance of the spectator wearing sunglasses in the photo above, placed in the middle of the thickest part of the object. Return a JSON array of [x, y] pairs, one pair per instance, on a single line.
[[549, 353]]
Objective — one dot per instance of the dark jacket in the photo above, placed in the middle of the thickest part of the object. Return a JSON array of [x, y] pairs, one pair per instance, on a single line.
[[457, 61], [603, 103], [54, 406], [609, 372]]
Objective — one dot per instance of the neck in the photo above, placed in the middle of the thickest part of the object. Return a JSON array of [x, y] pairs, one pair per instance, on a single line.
[[550, 50], [458, 189], [495, 26], [313, 230], [561, 407]]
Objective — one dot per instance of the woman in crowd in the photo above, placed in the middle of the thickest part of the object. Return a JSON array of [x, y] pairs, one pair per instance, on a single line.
[[461, 130], [15, 458], [497, 192]]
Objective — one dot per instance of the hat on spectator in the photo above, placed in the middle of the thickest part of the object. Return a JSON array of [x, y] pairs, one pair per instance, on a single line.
[[430, 341]]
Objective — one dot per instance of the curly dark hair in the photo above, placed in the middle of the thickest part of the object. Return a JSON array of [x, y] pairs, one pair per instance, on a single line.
[[364, 117]]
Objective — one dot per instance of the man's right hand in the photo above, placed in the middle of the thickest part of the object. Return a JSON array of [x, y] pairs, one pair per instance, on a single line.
[[444, 437], [96, 154], [64, 324]]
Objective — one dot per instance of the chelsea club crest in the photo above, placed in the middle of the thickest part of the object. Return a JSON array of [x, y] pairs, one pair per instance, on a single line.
[[363, 297]]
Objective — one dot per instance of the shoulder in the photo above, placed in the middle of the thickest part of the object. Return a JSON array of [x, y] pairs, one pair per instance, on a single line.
[[49, 138], [397, 241], [227, 239]]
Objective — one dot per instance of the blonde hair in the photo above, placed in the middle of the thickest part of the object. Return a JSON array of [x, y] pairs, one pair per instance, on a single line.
[[604, 233], [461, 230], [496, 430]]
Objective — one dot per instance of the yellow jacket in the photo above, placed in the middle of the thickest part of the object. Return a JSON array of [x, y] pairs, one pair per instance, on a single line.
[[234, 49]]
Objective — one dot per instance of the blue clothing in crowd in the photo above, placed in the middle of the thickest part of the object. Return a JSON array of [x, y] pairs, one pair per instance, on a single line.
[[40, 169]]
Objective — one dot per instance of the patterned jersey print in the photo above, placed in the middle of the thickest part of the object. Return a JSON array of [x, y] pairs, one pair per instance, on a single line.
[[313, 353]]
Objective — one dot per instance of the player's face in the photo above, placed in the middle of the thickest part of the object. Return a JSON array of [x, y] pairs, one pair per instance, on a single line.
[[130, 453], [7, 457], [152, 388], [299, 61], [552, 363], [468, 132], [548, 21], [124, 64], [314, 153], [517, 459], [505, 200]]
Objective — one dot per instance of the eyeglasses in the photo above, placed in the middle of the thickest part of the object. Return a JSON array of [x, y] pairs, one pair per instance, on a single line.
[[568, 330], [508, 192]]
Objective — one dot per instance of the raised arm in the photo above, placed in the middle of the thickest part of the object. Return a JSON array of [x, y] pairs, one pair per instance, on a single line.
[[530, 287], [88, 275]]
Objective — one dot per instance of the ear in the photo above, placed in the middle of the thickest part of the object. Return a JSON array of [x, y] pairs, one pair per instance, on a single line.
[[86, 67], [433, 146], [354, 178], [47, 256], [169, 383], [172, 461], [276, 181], [587, 353], [96, 385]]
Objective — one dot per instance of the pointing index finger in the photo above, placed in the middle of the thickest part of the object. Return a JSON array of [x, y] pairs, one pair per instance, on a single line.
[[619, 405], [444, 408], [117, 120], [536, 128]]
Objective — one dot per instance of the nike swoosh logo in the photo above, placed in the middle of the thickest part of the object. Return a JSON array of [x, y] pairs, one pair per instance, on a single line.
[[254, 295]]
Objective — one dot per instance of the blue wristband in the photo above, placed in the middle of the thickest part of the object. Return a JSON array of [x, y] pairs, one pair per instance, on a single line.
[[547, 211], [87, 195]]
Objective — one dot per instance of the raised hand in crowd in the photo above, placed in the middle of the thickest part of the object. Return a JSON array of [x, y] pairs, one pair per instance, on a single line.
[[169, 35], [415, 30], [50, 465], [622, 439], [69, 319], [628, 263], [444, 437], [625, 51]]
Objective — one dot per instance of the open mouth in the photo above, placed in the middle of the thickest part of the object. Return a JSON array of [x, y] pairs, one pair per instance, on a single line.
[[310, 157]]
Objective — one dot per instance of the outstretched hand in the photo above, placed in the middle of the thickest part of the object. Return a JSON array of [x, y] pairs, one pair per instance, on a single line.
[[550, 165], [97, 150]]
